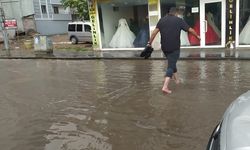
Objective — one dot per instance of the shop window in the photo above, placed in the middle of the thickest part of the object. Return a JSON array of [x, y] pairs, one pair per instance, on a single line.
[[214, 20], [186, 11], [79, 28], [44, 10], [244, 23], [124, 24]]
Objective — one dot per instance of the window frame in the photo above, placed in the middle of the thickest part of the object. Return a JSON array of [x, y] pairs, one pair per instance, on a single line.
[[56, 9], [79, 26], [89, 27], [69, 27], [43, 9]]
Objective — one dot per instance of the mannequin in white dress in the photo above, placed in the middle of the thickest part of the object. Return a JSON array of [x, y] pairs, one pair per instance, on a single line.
[[123, 37], [244, 34], [210, 20]]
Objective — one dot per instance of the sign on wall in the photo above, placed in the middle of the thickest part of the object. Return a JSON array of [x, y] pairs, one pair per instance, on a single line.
[[93, 20], [152, 2], [231, 19], [10, 23]]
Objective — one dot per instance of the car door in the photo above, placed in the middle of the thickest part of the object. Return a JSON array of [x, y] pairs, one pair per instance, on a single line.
[[88, 34], [80, 32]]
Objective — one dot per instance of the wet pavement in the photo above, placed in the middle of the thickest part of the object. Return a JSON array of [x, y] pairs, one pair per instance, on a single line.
[[114, 104]]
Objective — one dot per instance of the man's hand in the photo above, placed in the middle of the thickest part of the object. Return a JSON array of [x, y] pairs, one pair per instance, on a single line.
[[149, 44], [198, 37], [191, 30]]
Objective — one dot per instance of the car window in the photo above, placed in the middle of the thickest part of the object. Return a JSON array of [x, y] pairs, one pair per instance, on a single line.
[[79, 28], [72, 27], [87, 28]]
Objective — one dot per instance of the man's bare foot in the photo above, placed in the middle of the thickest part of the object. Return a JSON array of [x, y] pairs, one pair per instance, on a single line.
[[166, 90], [176, 79]]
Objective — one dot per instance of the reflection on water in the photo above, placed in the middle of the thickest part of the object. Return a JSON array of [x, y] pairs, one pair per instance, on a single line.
[[114, 104], [67, 136], [203, 70]]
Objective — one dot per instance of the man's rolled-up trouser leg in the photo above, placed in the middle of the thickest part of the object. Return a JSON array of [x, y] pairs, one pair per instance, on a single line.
[[172, 60]]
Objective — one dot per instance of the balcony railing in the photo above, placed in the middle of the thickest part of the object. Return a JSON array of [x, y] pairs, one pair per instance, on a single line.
[[56, 2]]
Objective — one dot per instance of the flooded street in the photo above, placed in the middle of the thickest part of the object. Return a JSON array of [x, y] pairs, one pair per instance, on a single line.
[[114, 104]]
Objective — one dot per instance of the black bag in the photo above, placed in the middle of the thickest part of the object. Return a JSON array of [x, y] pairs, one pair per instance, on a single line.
[[146, 53]]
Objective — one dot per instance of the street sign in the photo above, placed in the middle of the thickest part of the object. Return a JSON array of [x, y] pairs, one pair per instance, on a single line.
[[10, 24]]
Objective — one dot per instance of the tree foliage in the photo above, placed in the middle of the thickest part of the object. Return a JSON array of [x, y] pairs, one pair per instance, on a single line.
[[79, 7]]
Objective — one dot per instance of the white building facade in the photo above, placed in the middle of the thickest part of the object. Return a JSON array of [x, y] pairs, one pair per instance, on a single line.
[[45, 16]]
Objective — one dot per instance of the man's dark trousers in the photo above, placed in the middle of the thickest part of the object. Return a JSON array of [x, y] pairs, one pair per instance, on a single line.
[[172, 60]]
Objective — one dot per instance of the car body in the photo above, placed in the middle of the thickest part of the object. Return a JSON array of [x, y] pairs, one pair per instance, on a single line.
[[233, 131], [79, 32]]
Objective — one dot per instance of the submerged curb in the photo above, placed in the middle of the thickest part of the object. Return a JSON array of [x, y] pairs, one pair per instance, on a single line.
[[215, 54]]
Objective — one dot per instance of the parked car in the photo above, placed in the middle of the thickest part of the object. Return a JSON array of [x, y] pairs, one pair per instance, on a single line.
[[79, 32], [233, 131]]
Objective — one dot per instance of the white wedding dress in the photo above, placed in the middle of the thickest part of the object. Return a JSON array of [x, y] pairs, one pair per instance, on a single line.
[[184, 36], [123, 37], [244, 34], [210, 20]]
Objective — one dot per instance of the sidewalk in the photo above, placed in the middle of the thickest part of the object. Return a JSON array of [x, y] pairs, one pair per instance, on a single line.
[[200, 54], [64, 50]]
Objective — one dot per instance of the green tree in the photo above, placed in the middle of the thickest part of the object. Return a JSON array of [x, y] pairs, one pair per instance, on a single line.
[[80, 8]]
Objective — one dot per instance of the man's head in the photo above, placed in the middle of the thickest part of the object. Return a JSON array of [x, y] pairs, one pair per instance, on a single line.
[[173, 11]]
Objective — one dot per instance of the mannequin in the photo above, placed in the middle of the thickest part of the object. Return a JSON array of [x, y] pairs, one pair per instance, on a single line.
[[123, 37], [210, 20], [244, 34], [211, 35], [143, 35]]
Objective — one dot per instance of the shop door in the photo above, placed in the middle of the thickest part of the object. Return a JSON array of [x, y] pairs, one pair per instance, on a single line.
[[212, 23]]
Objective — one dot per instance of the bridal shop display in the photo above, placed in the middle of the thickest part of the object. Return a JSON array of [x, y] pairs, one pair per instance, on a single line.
[[127, 24], [123, 37], [212, 35], [244, 35], [124, 25], [142, 37]]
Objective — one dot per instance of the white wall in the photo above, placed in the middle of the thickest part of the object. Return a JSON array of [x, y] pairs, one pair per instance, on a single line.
[[27, 7], [49, 27], [110, 20], [12, 10]]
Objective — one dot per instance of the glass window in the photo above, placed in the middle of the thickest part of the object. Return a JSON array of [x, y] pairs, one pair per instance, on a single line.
[[87, 28], [124, 24], [79, 28], [44, 10], [244, 24], [187, 12], [72, 27], [213, 17], [56, 10]]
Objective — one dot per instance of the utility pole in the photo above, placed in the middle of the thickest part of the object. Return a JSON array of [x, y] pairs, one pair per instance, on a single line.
[[4, 31]]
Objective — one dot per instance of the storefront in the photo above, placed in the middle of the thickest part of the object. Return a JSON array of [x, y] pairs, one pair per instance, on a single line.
[[242, 23], [127, 24]]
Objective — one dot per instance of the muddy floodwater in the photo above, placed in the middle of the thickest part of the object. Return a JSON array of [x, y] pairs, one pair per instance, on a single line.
[[114, 104]]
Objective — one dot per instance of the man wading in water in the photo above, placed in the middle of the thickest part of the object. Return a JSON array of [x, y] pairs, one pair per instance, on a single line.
[[170, 28]]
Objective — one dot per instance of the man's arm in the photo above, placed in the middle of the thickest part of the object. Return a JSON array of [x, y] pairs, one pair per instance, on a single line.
[[191, 30], [154, 33]]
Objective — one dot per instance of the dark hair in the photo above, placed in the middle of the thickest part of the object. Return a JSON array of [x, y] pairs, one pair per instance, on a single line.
[[173, 10]]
